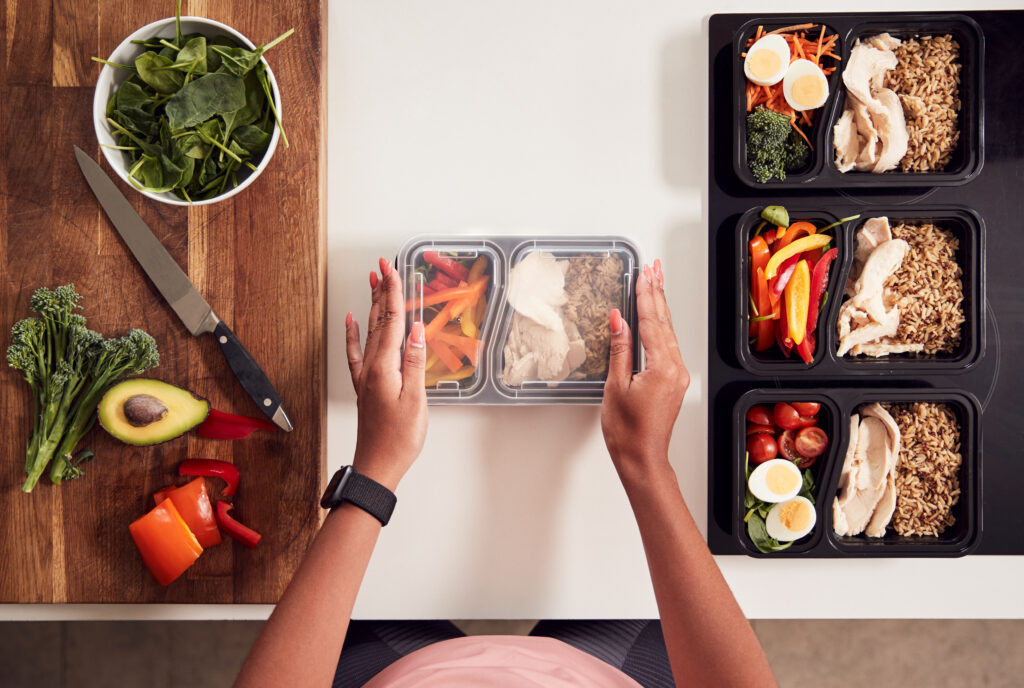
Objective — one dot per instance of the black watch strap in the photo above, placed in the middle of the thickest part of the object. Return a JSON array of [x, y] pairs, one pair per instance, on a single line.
[[349, 486]]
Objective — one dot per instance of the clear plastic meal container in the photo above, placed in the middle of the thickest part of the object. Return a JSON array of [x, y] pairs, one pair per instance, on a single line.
[[518, 320]]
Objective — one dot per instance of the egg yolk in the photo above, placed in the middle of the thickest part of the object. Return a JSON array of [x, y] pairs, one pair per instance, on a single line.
[[764, 64], [808, 90], [781, 481], [795, 515]]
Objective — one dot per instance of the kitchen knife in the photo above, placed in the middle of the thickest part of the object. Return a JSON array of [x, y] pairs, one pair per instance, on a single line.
[[179, 292]]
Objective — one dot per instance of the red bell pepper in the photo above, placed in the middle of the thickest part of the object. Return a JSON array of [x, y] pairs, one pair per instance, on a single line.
[[423, 288], [781, 329], [247, 536], [806, 348], [819, 281], [161, 494], [193, 503], [778, 283], [212, 468], [447, 265], [166, 544], [765, 337], [227, 426]]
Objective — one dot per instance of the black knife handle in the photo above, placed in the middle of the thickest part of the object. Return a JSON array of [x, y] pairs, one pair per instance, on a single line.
[[252, 378]]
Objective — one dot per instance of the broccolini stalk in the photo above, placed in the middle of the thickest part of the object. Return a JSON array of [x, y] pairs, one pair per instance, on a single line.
[[68, 368]]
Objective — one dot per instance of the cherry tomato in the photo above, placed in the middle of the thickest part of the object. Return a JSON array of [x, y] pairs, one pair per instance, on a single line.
[[811, 442], [787, 445], [786, 416], [759, 414], [762, 447], [806, 408], [806, 422], [755, 428]]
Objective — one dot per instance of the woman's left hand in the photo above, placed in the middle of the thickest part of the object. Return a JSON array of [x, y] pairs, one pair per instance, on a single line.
[[391, 398]]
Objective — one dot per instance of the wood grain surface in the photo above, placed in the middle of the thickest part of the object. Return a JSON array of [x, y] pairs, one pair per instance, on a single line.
[[259, 260]]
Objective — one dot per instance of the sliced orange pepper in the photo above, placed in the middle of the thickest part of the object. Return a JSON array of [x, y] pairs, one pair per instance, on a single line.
[[794, 232], [193, 503], [807, 243], [166, 544], [468, 346], [445, 353]]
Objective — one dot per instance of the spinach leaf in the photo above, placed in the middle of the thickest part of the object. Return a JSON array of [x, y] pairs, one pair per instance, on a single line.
[[151, 68], [192, 58], [248, 113], [261, 74], [240, 61], [206, 97], [759, 536], [130, 95], [252, 139]]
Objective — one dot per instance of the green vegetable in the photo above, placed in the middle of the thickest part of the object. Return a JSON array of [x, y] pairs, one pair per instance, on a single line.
[[68, 367], [194, 111], [776, 214], [773, 146], [757, 511]]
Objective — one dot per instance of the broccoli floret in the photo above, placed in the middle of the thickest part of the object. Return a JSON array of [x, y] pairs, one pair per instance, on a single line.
[[767, 132], [68, 368], [774, 147], [797, 151]]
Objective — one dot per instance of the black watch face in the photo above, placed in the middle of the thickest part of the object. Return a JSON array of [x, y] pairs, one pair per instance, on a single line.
[[332, 495]]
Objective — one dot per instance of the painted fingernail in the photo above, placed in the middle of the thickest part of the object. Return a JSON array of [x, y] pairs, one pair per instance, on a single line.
[[648, 274], [373, 279], [416, 336], [615, 321], [348, 321], [657, 267], [385, 267]]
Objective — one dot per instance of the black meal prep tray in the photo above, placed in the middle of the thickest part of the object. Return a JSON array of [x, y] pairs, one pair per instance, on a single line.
[[820, 171], [981, 199]]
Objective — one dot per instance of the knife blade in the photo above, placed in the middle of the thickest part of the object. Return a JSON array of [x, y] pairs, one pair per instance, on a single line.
[[175, 286]]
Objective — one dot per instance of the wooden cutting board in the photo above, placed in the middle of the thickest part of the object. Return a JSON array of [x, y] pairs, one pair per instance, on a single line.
[[259, 260]]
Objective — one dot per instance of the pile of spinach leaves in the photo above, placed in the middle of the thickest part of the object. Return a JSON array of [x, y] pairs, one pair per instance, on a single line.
[[757, 512], [193, 113]]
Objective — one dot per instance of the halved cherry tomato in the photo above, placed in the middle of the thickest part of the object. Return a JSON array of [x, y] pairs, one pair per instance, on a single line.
[[787, 445], [807, 421], [786, 417], [759, 414], [806, 408], [811, 442], [757, 428], [762, 447]]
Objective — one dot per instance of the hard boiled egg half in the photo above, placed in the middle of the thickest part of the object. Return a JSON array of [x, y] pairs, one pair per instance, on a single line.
[[767, 60], [805, 86], [790, 520], [777, 480]]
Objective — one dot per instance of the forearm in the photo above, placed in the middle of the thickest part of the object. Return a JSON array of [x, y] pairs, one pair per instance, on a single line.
[[709, 640], [300, 643]]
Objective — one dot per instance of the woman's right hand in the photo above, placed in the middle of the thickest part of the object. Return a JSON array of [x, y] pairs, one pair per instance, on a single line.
[[639, 411]]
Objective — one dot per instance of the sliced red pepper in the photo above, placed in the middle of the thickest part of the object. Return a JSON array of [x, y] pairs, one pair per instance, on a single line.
[[447, 265], [165, 542], [806, 351], [212, 468], [760, 254], [193, 503], [765, 338], [423, 288], [161, 494], [244, 534], [819, 281], [778, 283], [227, 426], [781, 333]]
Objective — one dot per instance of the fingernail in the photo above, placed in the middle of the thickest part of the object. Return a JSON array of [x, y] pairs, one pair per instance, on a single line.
[[385, 267], [416, 335], [657, 267], [373, 279], [616, 321], [348, 321], [647, 273]]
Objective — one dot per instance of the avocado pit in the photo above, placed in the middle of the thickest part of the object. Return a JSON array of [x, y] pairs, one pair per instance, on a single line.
[[141, 410]]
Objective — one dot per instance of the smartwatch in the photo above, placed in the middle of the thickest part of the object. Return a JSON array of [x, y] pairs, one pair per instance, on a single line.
[[349, 486]]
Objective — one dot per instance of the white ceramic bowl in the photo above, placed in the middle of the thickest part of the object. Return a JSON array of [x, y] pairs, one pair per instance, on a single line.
[[111, 78]]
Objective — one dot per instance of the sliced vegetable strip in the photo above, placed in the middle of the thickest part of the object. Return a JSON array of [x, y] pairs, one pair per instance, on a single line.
[[244, 534], [798, 293], [227, 426], [165, 542], [797, 247], [447, 265], [193, 503], [213, 468]]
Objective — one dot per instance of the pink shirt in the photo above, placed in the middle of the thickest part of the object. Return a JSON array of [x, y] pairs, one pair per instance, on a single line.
[[501, 661]]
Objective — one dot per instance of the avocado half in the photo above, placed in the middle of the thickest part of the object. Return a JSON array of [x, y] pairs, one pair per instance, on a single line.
[[142, 411]]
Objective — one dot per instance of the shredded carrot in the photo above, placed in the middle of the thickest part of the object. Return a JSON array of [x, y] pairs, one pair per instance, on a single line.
[[758, 34], [788, 29], [821, 37]]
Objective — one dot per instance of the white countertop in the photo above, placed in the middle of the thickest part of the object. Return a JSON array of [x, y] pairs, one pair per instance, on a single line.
[[459, 116]]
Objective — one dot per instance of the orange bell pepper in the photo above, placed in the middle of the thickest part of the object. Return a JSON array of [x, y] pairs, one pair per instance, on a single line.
[[193, 503], [765, 334], [166, 544], [807, 243], [445, 354], [798, 298], [793, 233], [468, 346]]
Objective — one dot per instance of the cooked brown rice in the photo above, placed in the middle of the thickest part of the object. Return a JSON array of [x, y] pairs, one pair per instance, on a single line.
[[928, 468], [594, 286], [929, 288], [927, 79]]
